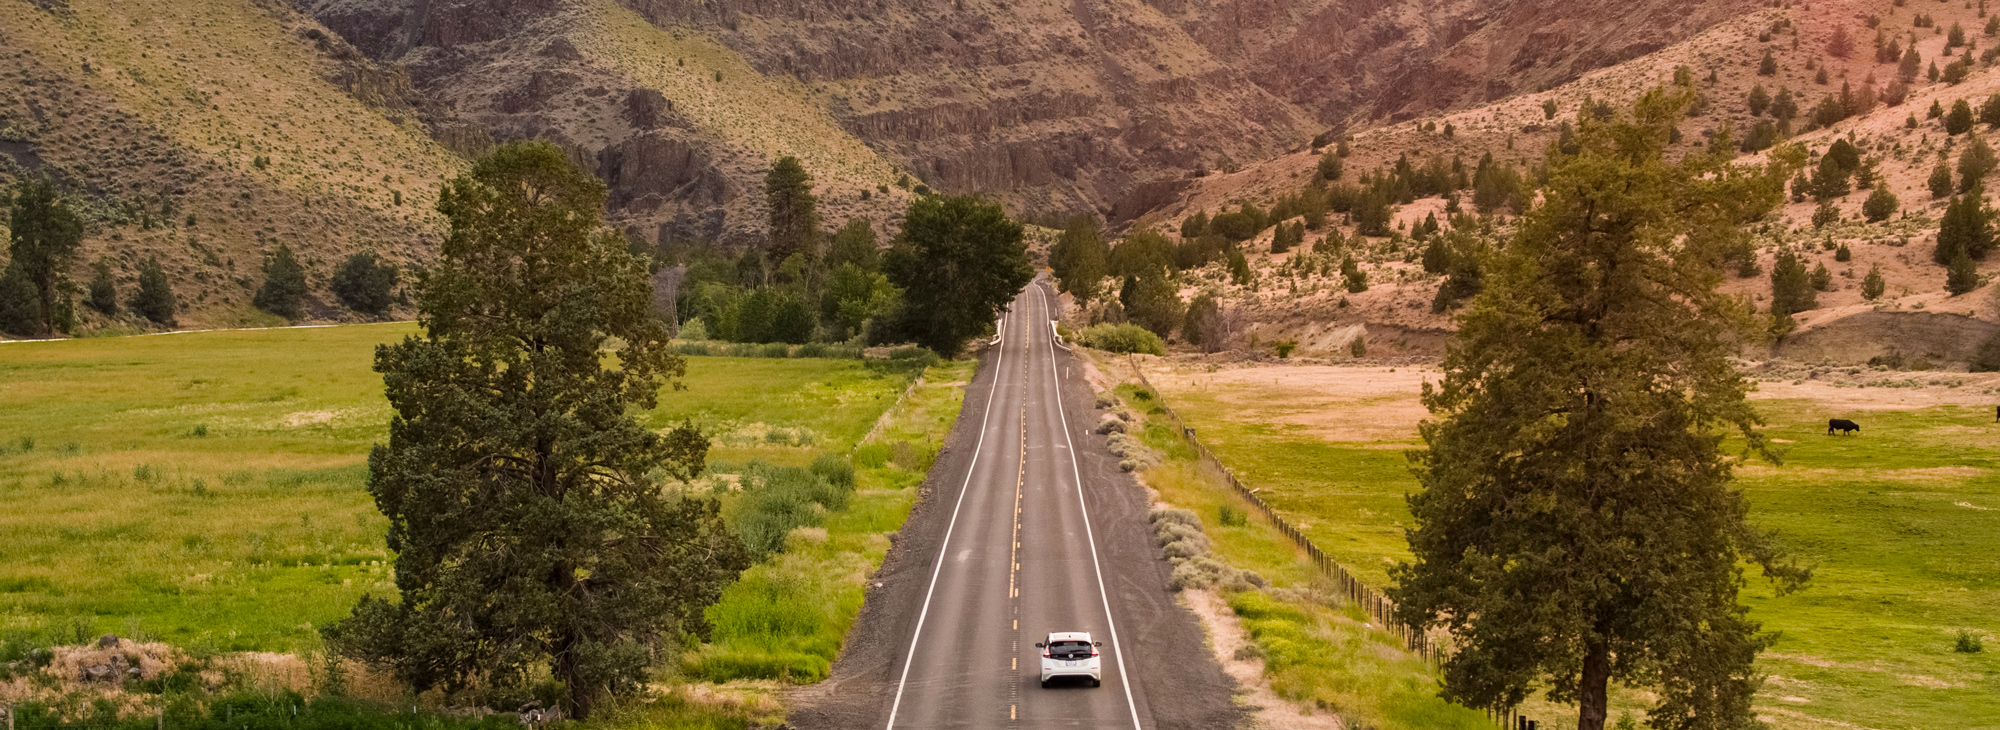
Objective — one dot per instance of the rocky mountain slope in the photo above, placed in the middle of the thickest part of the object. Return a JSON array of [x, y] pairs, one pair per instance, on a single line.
[[1915, 319], [327, 124]]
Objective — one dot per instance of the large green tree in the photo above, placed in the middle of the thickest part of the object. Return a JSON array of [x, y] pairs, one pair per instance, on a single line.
[[43, 237], [365, 283], [524, 503], [959, 261], [1080, 259], [854, 244], [1575, 525], [794, 211]]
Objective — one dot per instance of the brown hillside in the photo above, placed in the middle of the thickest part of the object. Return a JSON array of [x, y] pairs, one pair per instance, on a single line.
[[152, 112]]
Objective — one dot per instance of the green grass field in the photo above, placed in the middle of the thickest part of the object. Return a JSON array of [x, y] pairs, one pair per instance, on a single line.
[[1318, 652], [207, 488], [1903, 524]]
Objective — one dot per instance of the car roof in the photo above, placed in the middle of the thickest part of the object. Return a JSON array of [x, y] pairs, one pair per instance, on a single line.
[[1083, 636]]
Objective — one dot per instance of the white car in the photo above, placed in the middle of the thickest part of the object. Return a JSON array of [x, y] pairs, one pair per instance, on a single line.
[[1070, 654]]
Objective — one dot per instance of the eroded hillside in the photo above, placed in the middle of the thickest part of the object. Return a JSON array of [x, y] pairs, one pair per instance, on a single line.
[[208, 133]]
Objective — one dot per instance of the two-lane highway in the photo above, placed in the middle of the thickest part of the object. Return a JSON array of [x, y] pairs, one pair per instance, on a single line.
[[1019, 559]]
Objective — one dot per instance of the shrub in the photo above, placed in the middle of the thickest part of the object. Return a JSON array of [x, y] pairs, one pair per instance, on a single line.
[[1122, 338], [1880, 205], [1968, 643], [1229, 516], [872, 456], [103, 295], [1358, 348], [908, 456]]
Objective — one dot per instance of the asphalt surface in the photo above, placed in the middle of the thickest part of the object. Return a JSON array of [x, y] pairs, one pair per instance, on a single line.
[[1026, 527]]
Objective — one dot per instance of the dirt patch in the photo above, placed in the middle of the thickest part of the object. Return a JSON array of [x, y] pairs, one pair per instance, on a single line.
[[1952, 474], [308, 418], [1348, 403], [1225, 637], [1856, 394]]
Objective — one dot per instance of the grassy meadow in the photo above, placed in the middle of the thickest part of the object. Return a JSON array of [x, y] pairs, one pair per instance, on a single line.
[[207, 489], [1320, 652], [1901, 522]]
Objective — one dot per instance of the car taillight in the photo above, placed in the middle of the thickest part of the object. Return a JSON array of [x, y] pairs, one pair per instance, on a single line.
[[1093, 652], [1045, 653]]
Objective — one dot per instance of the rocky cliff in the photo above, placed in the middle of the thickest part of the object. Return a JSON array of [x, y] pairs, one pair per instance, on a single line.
[[1054, 106]]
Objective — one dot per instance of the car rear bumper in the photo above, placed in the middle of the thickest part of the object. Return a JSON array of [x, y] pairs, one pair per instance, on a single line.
[[1074, 672]]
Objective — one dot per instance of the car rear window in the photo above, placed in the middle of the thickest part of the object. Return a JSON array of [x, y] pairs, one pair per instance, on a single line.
[[1069, 650]]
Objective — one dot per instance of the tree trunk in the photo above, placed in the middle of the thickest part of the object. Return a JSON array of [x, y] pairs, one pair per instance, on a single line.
[[581, 698], [1592, 690]]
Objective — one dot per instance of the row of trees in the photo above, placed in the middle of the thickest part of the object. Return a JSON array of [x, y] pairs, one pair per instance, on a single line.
[[955, 264], [38, 299]]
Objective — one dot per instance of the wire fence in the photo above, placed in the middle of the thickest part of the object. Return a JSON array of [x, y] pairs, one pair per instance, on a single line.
[[1371, 600]]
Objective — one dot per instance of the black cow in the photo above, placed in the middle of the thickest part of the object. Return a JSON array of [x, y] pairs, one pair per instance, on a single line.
[[1842, 425]]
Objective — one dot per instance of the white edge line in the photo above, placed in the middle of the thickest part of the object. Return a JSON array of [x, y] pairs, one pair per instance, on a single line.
[[945, 548], [1124, 679]]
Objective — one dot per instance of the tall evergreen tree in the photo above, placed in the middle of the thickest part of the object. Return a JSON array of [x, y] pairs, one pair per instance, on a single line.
[[959, 262], [1576, 524], [43, 236], [794, 211], [1791, 286], [1961, 276], [284, 289], [1080, 260], [532, 536], [154, 298], [1975, 162], [1967, 227], [1872, 285]]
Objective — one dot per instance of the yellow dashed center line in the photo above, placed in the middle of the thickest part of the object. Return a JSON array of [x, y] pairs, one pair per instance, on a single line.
[[1014, 552]]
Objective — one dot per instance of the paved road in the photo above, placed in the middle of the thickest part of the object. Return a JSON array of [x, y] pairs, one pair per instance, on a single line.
[[1019, 560], [1026, 526]]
